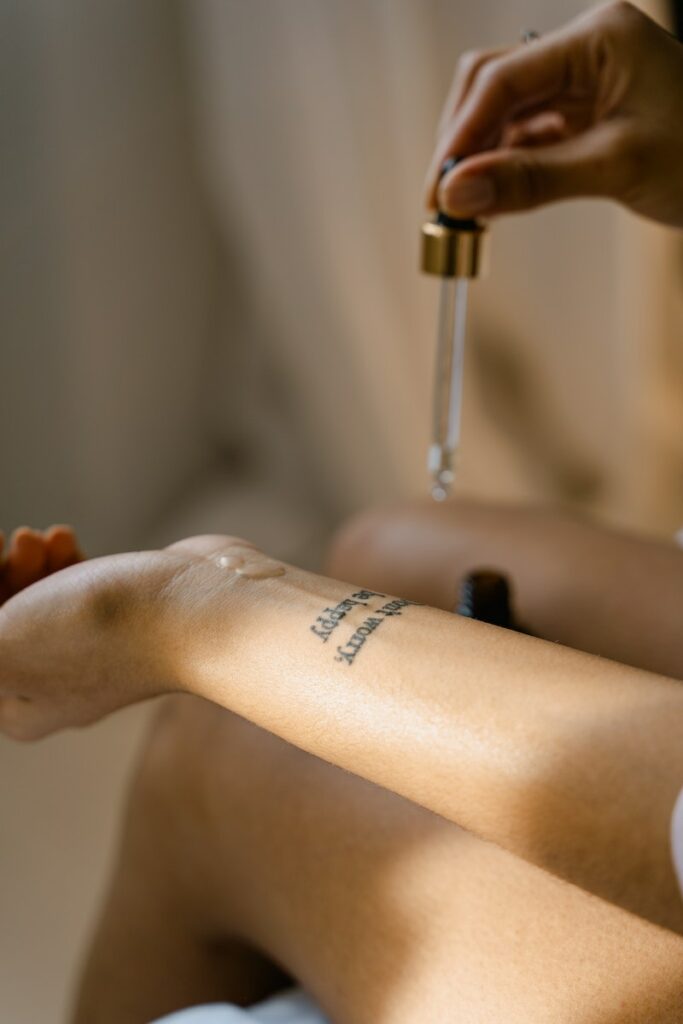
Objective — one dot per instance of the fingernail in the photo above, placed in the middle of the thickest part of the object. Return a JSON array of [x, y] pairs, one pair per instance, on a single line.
[[467, 196]]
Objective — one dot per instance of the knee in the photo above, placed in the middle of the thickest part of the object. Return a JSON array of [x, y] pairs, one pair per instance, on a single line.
[[201, 762], [179, 758], [186, 732], [166, 777], [418, 549], [374, 542], [354, 541]]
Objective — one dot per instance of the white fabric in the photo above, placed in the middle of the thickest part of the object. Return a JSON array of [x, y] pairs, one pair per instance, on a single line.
[[293, 1007], [677, 839]]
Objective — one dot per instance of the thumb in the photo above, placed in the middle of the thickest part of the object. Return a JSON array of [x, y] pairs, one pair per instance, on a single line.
[[502, 181]]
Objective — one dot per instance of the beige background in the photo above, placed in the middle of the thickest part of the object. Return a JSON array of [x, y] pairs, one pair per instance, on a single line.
[[212, 320]]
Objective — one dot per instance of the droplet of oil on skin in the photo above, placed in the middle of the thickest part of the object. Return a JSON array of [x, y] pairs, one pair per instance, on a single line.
[[230, 561], [255, 570], [263, 571]]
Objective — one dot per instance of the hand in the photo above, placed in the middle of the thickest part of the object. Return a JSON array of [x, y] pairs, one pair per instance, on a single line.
[[593, 109], [107, 632]]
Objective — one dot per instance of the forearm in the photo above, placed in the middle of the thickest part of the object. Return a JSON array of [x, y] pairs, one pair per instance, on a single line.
[[567, 760]]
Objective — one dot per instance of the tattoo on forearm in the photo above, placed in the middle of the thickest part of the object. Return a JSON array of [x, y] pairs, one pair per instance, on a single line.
[[326, 623], [349, 651], [329, 620]]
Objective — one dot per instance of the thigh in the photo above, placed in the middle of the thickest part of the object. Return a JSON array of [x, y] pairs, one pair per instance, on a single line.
[[385, 912], [154, 949]]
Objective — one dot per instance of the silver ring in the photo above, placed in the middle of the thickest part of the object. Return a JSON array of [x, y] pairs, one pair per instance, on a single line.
[[529, 35]]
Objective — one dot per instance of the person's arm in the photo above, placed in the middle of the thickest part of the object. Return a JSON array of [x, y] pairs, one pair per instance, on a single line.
[[597, 589], [593, 109], [571, 762]]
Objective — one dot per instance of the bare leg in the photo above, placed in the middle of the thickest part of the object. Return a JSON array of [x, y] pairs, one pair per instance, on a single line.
[[157, 946], [237, 841], [589, 587]]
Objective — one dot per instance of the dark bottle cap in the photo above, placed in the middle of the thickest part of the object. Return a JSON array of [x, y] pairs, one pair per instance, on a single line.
[[485, 596]]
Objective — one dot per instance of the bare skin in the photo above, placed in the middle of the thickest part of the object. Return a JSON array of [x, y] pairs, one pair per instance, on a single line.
[[236, 842], [571, 762], [631, 872], [453, 928]]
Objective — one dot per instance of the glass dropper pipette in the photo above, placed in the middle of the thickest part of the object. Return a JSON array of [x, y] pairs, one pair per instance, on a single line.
[[452, 249], [450, 353]]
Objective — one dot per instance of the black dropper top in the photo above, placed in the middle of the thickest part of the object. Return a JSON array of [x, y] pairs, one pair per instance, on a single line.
[[485, 595]]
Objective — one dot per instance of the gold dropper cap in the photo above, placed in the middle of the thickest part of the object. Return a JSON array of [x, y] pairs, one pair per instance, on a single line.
[[453, 248]]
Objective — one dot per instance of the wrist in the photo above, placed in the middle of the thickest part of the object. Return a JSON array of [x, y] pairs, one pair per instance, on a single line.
[[208, 623], [229, 633], [127, 608]]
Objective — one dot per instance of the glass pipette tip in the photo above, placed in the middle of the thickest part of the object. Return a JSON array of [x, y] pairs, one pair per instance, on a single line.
[[448, 385]]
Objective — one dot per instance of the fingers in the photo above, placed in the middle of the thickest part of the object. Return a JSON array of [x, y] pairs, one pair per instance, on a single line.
[[524, 79], [522, 178], [61, 547], [500, 90], [466, 71], [31, 555], [26, 559], [560, 67], [541, 130]]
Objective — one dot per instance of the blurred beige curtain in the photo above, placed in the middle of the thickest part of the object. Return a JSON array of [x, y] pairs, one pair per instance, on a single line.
[[106, 282], [316, 123]]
